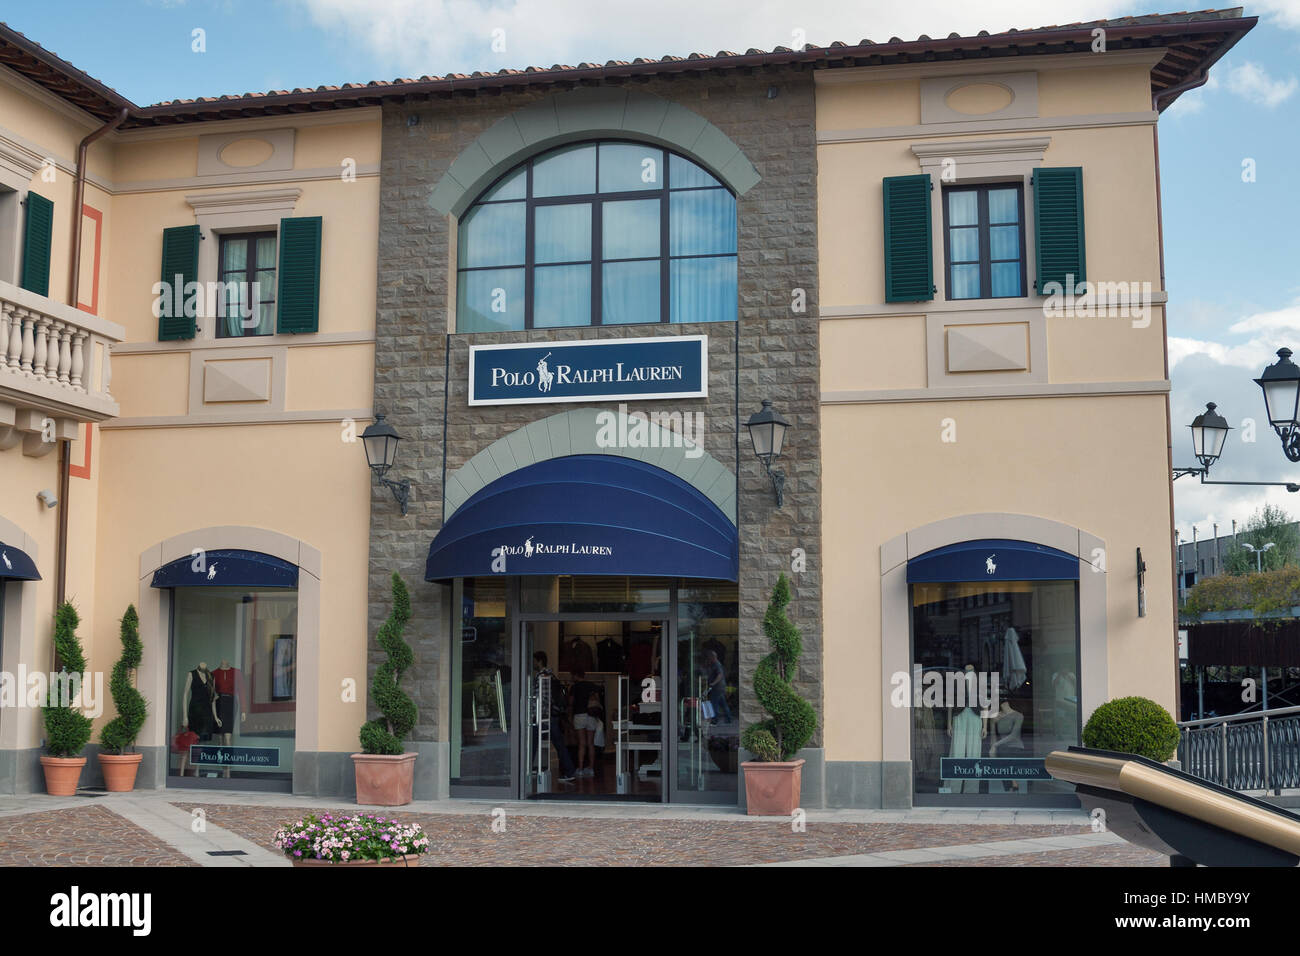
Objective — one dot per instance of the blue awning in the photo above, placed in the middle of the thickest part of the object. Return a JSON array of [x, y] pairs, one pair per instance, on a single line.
[[586, 514], [227, 569], [16, 564], [993, 559]]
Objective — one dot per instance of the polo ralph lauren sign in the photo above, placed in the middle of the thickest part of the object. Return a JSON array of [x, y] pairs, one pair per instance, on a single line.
[[589, 371]]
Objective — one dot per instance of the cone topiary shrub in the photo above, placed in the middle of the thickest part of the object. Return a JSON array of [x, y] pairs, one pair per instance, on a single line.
[[793, 720], [1132, 725], [385, 735], [120, 732], [67, 730]]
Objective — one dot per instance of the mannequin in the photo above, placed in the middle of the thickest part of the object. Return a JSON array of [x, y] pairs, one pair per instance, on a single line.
[[228, 685], [1013, 661], [1006, 732], [199, 706], [967, 731]]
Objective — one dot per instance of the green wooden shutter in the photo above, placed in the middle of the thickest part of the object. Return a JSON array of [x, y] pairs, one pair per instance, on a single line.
[[1058, 226], [180, 266], [298, 299], [38, 233], [909, 268]]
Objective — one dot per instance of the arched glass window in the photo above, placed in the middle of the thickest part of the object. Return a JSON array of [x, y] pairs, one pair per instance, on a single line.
[[608, 233]]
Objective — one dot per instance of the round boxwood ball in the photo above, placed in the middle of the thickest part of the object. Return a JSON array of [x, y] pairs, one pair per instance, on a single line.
[[1132, 725]]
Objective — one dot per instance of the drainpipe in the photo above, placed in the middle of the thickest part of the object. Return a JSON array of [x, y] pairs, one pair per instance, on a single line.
[[1199, 80], [74, 283]]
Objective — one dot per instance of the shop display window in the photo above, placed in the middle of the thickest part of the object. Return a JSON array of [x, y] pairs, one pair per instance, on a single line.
[[233, 683], [994, 687]]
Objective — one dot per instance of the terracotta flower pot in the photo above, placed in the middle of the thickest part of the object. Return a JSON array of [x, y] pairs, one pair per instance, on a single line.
[[388, 862], [384, 780], [119, 771], [62, 774], [772, 789]]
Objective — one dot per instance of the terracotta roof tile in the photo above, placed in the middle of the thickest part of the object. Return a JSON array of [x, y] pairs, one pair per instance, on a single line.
[[779, 54]]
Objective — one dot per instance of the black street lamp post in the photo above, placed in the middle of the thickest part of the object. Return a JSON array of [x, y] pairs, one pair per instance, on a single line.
[[1209, 434], [1281, 386]]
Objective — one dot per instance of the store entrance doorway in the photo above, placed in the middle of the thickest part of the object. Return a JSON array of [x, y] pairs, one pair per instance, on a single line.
[[596, 709]]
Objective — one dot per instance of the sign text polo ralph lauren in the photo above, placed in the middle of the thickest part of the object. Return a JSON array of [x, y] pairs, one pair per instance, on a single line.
[[599, 370]]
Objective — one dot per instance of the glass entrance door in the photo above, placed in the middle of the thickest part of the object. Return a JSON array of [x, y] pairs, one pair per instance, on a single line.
[[596, 709]]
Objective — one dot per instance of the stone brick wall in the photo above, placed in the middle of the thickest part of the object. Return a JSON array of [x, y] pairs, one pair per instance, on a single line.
[[773, 353]]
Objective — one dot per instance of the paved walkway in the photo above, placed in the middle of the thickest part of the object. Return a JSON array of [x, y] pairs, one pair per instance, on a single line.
[[214, 828]]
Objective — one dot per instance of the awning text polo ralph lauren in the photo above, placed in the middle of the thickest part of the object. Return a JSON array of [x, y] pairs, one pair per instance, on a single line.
[[586, 514]]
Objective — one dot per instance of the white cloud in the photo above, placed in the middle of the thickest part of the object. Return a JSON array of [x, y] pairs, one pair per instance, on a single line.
[[1284, 13], [1266, 331], [415, 37], [1251, 82]]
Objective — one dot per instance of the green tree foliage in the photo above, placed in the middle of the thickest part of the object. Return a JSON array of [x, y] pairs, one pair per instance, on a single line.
[[120, 732], [1269, 523], [385, 735], [793, 720], [1267, 593], [67, 730], [1132, 725]]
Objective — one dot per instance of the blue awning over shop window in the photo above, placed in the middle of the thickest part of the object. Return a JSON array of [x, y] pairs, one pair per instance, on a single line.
[[16, 564], [993, 559], [586, 514], [227, 569]]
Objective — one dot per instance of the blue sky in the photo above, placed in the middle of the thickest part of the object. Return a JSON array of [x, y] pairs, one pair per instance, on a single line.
[[1231, 247]]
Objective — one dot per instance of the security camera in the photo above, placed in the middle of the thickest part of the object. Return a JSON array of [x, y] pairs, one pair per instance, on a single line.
[[50, 499]]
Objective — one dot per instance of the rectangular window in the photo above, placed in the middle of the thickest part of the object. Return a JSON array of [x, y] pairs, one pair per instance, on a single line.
[[984, 241], [247, 273]]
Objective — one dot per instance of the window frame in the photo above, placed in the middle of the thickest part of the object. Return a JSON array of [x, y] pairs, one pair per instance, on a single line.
[[249, 273], [983, 226], [596, 200]]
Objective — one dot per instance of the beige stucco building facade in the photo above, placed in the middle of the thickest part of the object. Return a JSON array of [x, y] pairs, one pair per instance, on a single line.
[[1014, 418], [973, 466], [197, 444]]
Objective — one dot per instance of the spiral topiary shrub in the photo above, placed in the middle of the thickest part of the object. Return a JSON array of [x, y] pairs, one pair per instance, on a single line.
[[1132, 725], [793, 720], [120, 732], [67, 730], [385, 735]]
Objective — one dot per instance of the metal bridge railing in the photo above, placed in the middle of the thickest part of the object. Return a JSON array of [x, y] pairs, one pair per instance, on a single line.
[[1256, 751]]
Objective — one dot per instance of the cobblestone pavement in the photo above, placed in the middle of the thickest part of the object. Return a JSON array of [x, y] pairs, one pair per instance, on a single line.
[[1122, 854], [463, 840], [81, 836], [155, 829]]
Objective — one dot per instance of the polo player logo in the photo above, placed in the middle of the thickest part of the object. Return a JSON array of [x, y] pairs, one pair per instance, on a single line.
[[528, 548], [8, 564], [212, 571], [544, 375], [989, 566]]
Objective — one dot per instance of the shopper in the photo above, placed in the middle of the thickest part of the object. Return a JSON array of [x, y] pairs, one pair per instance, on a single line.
[[588, 717], [716, 680]]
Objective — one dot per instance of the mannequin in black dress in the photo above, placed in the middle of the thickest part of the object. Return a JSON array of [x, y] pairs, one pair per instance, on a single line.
[[199, 705]]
